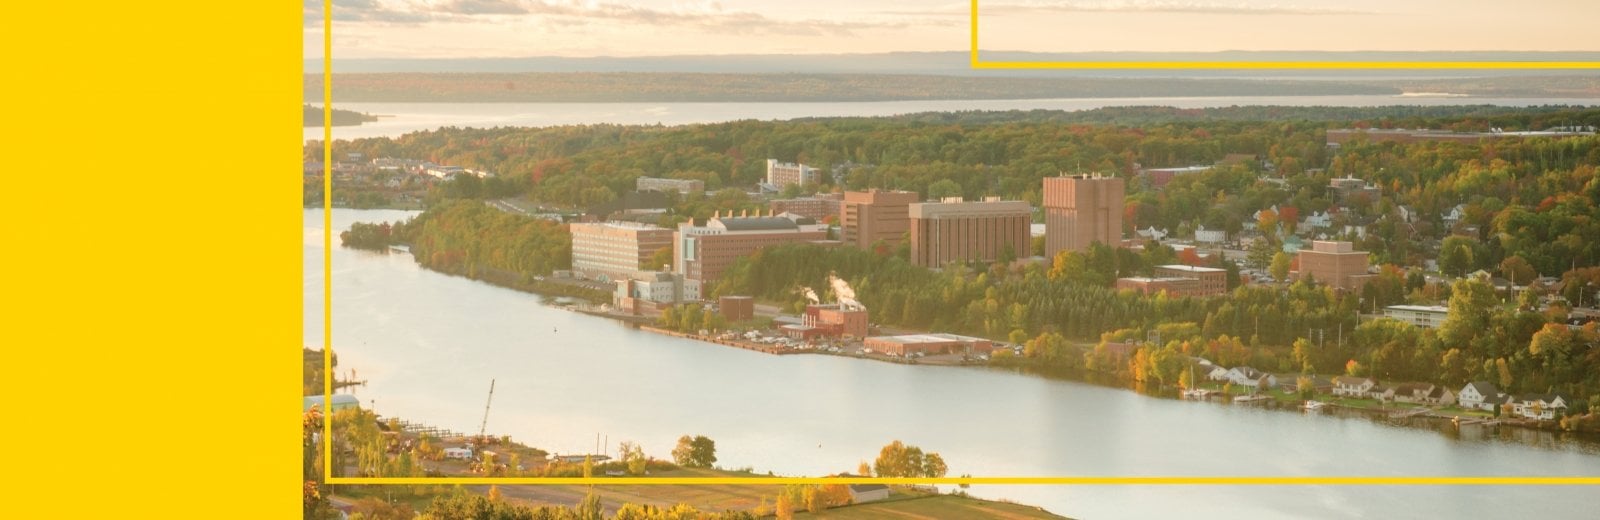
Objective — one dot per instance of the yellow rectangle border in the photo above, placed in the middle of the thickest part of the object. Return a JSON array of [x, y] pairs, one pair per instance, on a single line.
[[1261, 65], [327, 324]]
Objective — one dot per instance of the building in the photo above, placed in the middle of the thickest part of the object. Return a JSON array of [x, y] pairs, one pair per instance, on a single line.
[[929, 344], [1210, 236], [1425, 316], [704, 252], [1159, 177], [737, 308], [836, 320], [1481, 395], [1213, 281], [1543, 407], [781, 174], [866, 217], [1336, 264], [1080, 210], [1175, 287], [863, 493], [616, 250], [957, 231], [1348, 187], [818, 207], [650, 293], [1357, 387], [684, 186]]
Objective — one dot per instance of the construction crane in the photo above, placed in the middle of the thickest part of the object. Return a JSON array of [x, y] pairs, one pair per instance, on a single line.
[[483, 427]]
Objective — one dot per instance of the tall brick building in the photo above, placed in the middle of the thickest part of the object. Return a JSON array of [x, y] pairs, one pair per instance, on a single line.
[[1336, 264], [957, 231], [869, 216], [1080, 210]]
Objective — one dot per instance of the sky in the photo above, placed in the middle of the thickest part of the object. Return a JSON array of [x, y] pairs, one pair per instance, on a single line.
[[580, 28]]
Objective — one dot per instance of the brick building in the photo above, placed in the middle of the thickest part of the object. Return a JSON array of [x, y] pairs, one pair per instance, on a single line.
[[819, 207], [704, 252], [1080, 210], [1336, 264], [836, 320], [1212, 281], [957, 231], [1172, 286], [929, 344], [869, 216]]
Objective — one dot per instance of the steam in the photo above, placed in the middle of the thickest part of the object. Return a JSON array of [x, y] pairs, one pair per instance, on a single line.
[[811, 295], [846, 295]]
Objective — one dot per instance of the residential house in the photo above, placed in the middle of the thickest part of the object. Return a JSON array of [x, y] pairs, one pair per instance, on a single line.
[[1252, 378], [1544, 407], [1352, 386], [1381, 392], [1217, 374], [1422, 393], [1482, 395]]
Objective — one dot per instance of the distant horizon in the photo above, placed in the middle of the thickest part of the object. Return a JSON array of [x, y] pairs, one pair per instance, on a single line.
[[602, 28]]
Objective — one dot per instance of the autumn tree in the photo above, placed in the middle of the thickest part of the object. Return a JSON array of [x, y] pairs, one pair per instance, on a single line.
[[898, 459], [695, 452], [1280, 267]]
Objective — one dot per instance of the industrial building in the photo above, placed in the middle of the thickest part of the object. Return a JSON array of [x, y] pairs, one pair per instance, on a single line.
[[929, 344]]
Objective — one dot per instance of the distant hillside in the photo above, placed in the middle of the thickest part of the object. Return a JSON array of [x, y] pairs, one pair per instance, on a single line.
[[689, 87], [340, 117]]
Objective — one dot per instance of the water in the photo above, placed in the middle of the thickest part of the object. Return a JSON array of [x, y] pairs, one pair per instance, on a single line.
[[412, 117], [428, 344]]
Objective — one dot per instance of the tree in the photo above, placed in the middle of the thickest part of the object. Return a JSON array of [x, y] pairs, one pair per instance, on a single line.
[[813, 500], [864, 469], [1518, 270], [633, 457], [662, 257], [494, 494], [944, 188], [784, 508], [695, 452], [898, 459], [1456, 256], [590, 508], [1280, 267]]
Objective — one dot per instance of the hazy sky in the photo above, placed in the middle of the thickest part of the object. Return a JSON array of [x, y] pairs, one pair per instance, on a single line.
[[510, 28]]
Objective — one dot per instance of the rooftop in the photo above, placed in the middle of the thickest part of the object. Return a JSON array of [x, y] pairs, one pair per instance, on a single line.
[[1193, 269]]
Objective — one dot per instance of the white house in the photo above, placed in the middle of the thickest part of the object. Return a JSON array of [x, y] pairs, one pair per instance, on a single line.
[[1250, 377], [457, 453], [1318, 220], [1152, 233], [1210, 236], [863, 493], [1455, 215], [1543, 407], [1217, 373], [1482, 395], [1352, 386]]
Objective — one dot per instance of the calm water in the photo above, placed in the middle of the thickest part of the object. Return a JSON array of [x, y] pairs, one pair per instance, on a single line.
[[412, 117], [429, 343]]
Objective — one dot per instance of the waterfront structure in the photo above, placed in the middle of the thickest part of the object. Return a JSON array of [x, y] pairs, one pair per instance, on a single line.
[[650, 293], [818, 207], [615, 250], [1543, 407], [836, 320], [340, 402], [1173, 286], [704, 252], [869, 216], [1080, 210], [928, 344], [781, 174], [1425, 316], [1212, 281], [958, 231], [1336, 264], [684, 186]]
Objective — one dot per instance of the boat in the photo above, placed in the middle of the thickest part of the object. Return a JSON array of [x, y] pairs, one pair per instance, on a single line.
[[1196, 393], [1313, 405]]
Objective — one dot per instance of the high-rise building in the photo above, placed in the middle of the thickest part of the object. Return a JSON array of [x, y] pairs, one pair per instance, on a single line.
[[616, 250], [704, 252], [1337, 264], [1080, 210], [869, 216], [957, 231], [780, 174]]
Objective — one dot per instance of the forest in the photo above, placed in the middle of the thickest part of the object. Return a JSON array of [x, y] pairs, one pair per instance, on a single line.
[[314, 116], [1528, 208]]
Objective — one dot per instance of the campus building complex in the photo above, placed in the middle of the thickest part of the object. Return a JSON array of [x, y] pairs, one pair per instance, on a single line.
[[869, 216], [1080, 210], [957, 231]]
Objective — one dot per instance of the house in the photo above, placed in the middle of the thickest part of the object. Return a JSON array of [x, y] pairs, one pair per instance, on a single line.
[[1380, 392], [1250, 377], [1152, 233], [1217, 373], [1422, 393], [1210, 236], [1352, 386], [1482, 395], [1544, 407], [863, 493], [457, 453], [1318, 220], [1455, 215]]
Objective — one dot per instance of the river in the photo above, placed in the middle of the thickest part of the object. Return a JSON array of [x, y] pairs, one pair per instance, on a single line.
[[401, 118], [428, 344]]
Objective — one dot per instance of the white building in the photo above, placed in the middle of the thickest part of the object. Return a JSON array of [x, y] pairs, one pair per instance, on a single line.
[[1210, 236], [1425, 316], [780, 174]]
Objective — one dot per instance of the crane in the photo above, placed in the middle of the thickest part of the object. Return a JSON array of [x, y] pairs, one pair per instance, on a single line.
[[482, 427]]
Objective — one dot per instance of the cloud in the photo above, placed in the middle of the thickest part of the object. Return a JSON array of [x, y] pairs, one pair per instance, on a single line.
[[706, 16], [1134, 6]]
